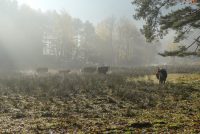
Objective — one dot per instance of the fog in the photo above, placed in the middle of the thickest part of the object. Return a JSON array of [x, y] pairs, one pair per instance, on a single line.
[[31, 38]]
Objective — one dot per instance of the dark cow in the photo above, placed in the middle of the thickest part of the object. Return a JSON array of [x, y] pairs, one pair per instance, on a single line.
[[89, 70], [161, 75], [42, 70], [64, 72], [103, 70]]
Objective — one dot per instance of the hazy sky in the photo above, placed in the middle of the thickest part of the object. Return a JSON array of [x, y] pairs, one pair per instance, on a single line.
[[92, 10]]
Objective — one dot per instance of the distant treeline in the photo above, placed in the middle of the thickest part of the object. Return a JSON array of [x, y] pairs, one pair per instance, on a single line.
[[72, 43]]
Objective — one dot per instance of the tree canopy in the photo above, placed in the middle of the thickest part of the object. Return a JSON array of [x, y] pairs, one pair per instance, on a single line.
[[31, 38], [160, 16]]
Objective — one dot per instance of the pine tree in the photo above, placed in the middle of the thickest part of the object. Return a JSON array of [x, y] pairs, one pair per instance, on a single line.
[[160, 16]]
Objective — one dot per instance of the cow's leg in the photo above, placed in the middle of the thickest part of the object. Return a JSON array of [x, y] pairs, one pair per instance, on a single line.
[[160, 80]]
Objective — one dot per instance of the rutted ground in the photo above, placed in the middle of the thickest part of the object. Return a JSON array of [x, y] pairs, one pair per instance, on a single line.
[[99, 104]]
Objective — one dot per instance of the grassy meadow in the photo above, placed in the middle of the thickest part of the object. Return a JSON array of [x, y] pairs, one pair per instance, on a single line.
[[121, 102]]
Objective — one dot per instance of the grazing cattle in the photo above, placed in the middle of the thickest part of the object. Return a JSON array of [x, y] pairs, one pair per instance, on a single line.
[[103, 70], [63, 72], [89, 70], [161, 75], [42, 70]]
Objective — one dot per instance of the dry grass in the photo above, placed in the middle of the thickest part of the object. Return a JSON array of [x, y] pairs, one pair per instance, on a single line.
[[115, 103]]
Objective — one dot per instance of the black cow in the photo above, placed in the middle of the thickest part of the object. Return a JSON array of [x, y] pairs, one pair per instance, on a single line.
[[103, 69], [64, 72], [89, 70], [42, 70], [161, 75]]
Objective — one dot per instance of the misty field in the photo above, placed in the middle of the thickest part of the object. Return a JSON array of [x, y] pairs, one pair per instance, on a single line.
[[93, 103]]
